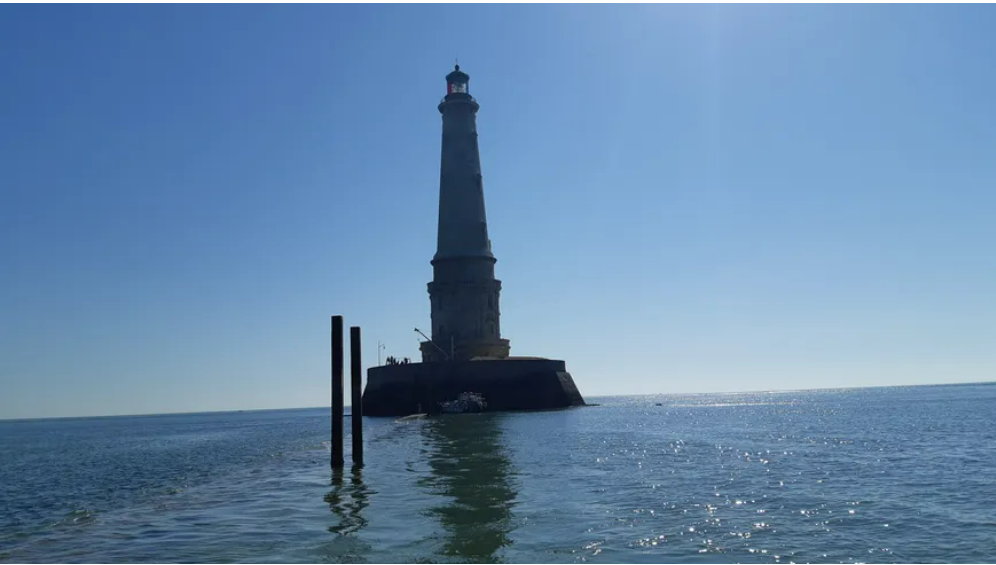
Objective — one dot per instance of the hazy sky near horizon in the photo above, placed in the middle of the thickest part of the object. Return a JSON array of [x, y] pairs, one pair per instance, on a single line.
[[682, 198]]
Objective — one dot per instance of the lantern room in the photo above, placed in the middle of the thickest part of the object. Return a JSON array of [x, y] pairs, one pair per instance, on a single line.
[[456, 82]]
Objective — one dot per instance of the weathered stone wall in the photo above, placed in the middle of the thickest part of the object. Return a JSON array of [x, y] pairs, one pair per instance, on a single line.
[[399, 390], [465, 350], [465, 310]]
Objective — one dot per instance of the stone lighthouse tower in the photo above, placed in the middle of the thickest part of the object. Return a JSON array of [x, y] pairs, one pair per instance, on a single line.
[[465, 352], [464, 293]]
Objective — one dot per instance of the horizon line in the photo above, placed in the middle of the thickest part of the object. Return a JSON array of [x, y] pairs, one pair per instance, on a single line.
[[237, 410]]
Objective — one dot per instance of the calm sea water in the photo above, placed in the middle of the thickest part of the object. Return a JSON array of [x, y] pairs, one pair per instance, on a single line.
[[877, 475]]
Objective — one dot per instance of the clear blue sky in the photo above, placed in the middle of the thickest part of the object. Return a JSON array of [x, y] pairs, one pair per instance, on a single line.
[[682, 198]]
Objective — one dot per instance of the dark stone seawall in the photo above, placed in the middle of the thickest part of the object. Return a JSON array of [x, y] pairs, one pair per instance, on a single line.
[[507, 384]]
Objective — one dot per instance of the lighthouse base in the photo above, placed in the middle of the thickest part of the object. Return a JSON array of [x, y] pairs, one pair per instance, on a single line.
[[506, 385]]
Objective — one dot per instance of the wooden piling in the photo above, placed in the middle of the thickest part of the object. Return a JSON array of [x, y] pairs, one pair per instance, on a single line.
[[356, 388], [338, 410]]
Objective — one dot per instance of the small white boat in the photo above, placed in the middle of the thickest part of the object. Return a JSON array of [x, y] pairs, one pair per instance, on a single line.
[[467, 402]]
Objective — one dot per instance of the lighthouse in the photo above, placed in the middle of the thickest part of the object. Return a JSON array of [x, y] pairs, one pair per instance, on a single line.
[[464, 294], [465, 353]]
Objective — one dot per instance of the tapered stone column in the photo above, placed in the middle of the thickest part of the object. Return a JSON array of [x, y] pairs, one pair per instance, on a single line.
[[464, 293]]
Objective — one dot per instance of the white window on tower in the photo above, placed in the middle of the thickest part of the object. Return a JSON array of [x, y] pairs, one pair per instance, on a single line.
[[458, 87]]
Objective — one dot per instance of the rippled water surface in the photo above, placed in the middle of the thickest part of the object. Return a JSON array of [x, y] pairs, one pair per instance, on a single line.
[[877, 475]]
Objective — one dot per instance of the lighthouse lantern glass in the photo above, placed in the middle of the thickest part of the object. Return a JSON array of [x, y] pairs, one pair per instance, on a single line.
[[458, 87]]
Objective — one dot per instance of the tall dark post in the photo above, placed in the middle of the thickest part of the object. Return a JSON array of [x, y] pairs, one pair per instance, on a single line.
[[356, 387], [338, 411]]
